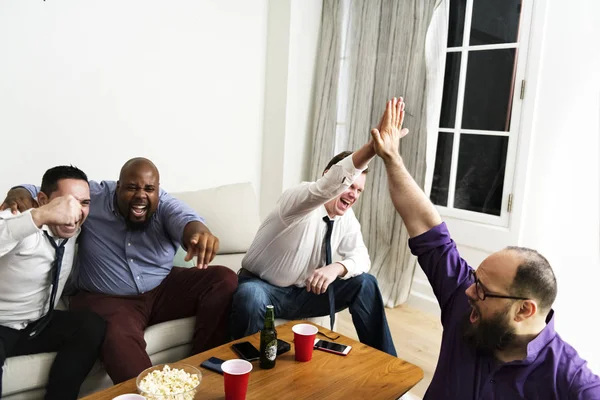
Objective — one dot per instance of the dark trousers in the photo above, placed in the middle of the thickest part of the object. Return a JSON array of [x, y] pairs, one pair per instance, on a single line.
[[185, 292], [360, 294], [75, 336]]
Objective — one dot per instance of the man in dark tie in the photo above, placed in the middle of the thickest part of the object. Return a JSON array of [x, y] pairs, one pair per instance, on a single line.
[[309, 259], [36, 256]]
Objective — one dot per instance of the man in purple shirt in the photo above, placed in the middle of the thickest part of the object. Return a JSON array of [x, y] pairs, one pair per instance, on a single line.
[[125, 266], [499, 340]]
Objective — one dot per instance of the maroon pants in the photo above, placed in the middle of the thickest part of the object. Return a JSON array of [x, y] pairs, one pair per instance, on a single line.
[[185, 292]]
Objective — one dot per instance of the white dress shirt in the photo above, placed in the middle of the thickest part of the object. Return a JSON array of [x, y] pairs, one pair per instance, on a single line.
[[289, 246], [26, 257]]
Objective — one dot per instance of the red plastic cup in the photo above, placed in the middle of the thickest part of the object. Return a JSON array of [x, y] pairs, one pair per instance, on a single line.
[[304, 341], [236, 373]]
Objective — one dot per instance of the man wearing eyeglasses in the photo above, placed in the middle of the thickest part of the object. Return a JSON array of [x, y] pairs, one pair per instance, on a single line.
[[499, 339]]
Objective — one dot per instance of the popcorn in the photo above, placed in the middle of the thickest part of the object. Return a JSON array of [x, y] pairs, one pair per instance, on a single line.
[[170, 383]]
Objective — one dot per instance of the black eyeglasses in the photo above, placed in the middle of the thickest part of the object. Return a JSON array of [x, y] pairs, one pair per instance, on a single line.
[[482, 294]]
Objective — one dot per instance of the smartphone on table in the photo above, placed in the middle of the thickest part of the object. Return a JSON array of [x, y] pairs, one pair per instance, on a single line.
[[246, 350], [214, 364], [331, 347], [282, 347]]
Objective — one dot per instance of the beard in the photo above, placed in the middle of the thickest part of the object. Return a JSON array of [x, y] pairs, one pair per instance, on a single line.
[[491, 335], [137, 226]]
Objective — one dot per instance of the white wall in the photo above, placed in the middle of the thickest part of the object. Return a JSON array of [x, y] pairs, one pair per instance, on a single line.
[[294, 27], [561, 215], [95, 83]]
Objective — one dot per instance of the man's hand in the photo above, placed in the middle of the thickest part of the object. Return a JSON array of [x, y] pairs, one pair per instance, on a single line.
[[18, 199], [203, 245], [320, 280], [386, 137], [64, 210]]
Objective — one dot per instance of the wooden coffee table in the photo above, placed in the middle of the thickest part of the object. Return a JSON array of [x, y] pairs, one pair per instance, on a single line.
[[363, 373]]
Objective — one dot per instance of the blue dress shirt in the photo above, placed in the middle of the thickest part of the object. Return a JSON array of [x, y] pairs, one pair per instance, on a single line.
[[114, 260]]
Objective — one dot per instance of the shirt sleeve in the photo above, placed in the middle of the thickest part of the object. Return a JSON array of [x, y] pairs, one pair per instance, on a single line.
[[354, 253], [175, 215], [446, 271], [301, 200], [14, 228], [32, 189], [585, 385]]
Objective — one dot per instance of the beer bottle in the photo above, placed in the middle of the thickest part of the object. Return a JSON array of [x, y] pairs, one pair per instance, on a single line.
[[268, 340]]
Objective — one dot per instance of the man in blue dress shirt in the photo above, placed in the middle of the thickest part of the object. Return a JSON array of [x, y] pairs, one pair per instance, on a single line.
[[125, 266], [499, 340]]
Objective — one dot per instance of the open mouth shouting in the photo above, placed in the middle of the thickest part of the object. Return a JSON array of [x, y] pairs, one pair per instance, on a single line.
[[474, 317], [138, 211], [344, 204]]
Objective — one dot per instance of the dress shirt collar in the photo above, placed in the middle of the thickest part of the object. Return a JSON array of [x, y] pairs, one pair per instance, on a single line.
[[323, 213], [542, 340], [46, 228]]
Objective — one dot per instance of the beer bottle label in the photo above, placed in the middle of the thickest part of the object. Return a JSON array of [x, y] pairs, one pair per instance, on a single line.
[[271, 350]]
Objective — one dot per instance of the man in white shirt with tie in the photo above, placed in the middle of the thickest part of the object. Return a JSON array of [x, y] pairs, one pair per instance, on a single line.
[[290, 266], [37, 249]]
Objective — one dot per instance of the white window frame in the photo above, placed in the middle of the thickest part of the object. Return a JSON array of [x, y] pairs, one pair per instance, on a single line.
[[513, 134]]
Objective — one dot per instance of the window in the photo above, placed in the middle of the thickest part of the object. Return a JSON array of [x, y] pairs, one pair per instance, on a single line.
[[476, 146]]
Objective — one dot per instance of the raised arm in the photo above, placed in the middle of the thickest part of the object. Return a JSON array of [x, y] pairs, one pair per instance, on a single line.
[[417, 211], [64, 210], [298, 201], [20, 198]]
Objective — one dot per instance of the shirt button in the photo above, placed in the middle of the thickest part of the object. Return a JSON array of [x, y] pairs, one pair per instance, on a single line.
[[138, 278], [131, 259], [128, 244], [492, 381]]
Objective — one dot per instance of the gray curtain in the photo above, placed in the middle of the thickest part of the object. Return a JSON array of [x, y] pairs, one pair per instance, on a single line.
[[326, 86], [387, 52]]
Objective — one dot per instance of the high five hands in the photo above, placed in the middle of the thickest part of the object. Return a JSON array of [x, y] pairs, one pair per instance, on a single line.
[[386, 137]]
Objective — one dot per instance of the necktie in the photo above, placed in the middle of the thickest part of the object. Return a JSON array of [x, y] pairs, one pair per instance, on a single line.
[[41, 323], [328, 260]]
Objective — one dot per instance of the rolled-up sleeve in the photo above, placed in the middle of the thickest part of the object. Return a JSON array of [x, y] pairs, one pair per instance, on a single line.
[[175, 215], [354, 253], [301, 200], [14, 228]]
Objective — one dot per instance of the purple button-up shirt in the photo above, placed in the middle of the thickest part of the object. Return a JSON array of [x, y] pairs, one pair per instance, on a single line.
[[112, 259], [551, 370]]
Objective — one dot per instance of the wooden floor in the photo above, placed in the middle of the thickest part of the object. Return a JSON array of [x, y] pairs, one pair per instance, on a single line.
[[416, 336]]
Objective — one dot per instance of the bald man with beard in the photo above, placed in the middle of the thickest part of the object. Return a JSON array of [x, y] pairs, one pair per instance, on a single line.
[[499, 340], [125, 266]]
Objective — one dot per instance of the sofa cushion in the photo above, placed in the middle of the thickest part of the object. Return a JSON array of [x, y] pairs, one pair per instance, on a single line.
[[230, 212], [24, 373], [169, 334]]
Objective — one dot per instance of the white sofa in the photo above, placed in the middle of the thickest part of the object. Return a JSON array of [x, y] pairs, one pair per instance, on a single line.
[[231, 212]]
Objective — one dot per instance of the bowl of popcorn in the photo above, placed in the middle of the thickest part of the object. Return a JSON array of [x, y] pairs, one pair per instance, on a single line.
[[169, 382]]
